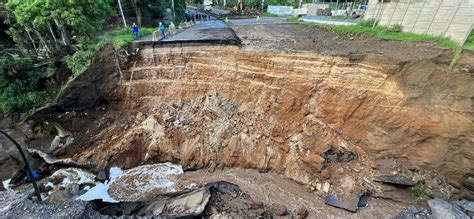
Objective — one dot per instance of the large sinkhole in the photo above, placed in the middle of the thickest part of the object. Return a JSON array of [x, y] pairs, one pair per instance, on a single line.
[[297, 113]]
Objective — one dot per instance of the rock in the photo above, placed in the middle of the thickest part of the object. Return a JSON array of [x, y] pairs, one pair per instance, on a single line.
[[318, 186], [454, 184], [121, 209], [75, 189], [395, 180], [363, 201], [466, 206], [101, 176], [190, 204], [143, 183], [413, 212], [334, 156], [443, 210], [220, 216], [228, 199], [56, 142], [325, 187], [17, 205], [42, 188], [278, 210], [469, 197], [351, 204], [413, 167], [224, 187], [302, 212], [469, 181], [59, 196]]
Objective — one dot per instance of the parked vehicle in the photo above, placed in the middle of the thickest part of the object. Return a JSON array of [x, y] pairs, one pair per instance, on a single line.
[[360, 11], [207, 5]]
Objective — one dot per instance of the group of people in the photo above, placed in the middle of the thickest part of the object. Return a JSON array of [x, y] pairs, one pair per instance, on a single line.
[[136, 31]]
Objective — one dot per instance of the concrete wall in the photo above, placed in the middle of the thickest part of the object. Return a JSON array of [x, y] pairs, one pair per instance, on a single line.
[[449, 18], [313, 8], [280, 10]]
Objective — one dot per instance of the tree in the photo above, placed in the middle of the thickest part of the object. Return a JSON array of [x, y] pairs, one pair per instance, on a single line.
[[180, 11], [138, 11], [121, 12], [81, 19]]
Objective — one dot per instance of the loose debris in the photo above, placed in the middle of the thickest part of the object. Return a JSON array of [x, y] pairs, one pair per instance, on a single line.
[[413, 212], [395, 180], [469, 181], [66, 162], [144, 182], [351, 203]]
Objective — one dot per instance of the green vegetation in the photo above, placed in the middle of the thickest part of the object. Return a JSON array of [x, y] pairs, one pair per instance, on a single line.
[[389, 33], [33, 33], [266, 14], [420, 192], [19, 83], [52, 20], [258, 3], [469, 44], [80, 61]]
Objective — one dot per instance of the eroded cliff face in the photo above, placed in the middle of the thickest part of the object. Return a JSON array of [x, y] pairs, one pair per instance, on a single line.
[[209, 106]]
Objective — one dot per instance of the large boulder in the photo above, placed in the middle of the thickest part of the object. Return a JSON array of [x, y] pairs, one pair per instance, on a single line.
[[444, 210]]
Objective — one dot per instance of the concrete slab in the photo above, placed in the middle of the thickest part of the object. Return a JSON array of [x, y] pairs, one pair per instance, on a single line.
[[213, 31]]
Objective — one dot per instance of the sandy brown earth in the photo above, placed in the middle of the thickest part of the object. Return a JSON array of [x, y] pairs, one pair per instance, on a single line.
[[298, 38], [279, 102]]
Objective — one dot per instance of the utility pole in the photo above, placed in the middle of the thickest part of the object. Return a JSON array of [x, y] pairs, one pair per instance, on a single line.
[[172, 8], [121, 13]]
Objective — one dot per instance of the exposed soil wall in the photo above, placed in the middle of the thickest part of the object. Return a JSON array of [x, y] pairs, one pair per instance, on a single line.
[[208, 106]]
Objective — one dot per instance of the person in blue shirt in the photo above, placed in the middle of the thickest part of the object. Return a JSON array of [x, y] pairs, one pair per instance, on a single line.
[[136, 31], [162, 30]]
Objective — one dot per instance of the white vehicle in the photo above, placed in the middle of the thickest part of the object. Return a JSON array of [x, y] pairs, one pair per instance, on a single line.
[[360, 11], [207, 5]]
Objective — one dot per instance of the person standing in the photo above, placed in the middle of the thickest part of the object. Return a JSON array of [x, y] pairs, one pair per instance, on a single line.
[[162, 30], [136, 31]]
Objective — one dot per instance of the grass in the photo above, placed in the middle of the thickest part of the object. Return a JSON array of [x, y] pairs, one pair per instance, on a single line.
[[469, 44], [391, 33], [420, 192], [266, 14], [80, 61], [119, 37], [395, 33], [295, 20]]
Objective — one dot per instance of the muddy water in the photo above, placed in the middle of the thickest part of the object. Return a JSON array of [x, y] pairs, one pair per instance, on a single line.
[[271, 187]]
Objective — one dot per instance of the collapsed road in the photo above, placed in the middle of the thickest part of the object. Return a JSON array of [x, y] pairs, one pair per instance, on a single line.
[[261, 121]]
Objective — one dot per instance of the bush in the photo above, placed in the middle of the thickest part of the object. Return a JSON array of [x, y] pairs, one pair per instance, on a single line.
[[395, 28], [368, 23], [469, 44], [79, 62], [19, 90], [19, 97], [420, 192]]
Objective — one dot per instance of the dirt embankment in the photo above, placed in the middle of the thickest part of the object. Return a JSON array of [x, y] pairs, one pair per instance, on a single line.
[[207, 106]]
